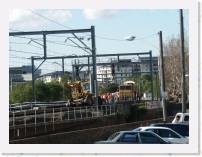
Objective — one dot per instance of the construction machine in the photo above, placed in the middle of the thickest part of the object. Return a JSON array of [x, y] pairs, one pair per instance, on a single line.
[[79, 95]]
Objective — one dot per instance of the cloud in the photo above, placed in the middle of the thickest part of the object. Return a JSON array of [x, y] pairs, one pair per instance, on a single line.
[[93, 14], [25, 18]]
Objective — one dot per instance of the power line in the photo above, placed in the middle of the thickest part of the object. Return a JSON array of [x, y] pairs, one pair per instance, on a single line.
[[115, 39], [49, 19], [53, 42], [50, 41], [13, 56], [24, 52]]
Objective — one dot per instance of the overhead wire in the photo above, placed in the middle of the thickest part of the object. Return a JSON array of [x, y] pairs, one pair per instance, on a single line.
[[42, 48], [24, 52], [54, 42], [50, 41], [49, 19]]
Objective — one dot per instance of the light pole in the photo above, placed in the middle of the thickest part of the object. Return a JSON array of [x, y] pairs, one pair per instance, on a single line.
[[182, 62], [162, 77]]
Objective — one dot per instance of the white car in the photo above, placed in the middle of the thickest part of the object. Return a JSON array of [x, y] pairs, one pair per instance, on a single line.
[[134, 137], [181, 118], [165, 133]]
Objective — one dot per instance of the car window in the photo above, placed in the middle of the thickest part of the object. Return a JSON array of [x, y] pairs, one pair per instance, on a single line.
[[153, 130], [167, 133], [180, 129], [186, 118], [129, 138], [149, 138]]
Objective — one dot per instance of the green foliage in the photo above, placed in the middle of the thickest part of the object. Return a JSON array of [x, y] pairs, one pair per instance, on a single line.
[[46, 92], [54, 91], [42, 91], [102, 90], [21, 93], [111, 88], [65, 78], [143, 83]]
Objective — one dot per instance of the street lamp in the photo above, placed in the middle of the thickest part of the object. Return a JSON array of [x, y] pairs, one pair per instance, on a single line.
[[130, 38], [163, 101]]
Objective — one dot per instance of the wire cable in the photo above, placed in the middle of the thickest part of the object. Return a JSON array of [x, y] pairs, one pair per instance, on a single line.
[[49, 19]]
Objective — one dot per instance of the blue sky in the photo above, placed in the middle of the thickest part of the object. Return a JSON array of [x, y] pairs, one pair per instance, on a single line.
[[115, 24]]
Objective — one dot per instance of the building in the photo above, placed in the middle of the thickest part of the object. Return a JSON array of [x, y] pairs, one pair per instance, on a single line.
[[22, 74], [123, 69], [145, 64], [53, 76], [104, 74], [57, 76]]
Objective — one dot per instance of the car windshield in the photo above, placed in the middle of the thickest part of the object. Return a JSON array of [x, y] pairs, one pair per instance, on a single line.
[[137, 129], [186, 118], [113, 136]]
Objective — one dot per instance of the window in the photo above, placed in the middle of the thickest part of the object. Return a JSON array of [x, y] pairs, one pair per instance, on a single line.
[[186, 118], [137, 129], [129, 138], [113, 136], [167, 133], [149, 138]]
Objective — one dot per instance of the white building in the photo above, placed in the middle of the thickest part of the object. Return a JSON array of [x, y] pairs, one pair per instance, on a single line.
[[104, 74], [54, 76], [125, 69]]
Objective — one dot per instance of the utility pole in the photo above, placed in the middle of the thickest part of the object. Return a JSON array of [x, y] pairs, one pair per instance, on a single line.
[[11, 84], [162, 77], [95, 85], [33, 80], [151, 74], [183, 61], [63, 74]]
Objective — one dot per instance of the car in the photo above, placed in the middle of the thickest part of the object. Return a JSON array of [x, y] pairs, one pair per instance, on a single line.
[[165, 133], [181, 118], [182, 129], [134, 137]]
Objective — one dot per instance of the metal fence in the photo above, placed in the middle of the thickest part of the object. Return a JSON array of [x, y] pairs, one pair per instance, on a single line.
[[54, 115]]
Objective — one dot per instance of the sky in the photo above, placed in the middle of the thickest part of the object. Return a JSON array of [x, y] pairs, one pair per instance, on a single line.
[[111, 29]]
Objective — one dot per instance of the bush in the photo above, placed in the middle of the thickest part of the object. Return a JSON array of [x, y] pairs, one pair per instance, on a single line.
[[45, 92]]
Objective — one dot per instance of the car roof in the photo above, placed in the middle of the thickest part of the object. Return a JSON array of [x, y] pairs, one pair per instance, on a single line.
[[128, 131], [179, 113], [154, 127], [169, 124]]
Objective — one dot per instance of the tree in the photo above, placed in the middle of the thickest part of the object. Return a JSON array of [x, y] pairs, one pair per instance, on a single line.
[[44, 92], [111, 88], [54, 91], [173, 67], [21, 93], [66, 78], [41, 91]]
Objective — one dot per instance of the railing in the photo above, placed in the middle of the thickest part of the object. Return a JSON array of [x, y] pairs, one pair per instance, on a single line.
[[54, 115]]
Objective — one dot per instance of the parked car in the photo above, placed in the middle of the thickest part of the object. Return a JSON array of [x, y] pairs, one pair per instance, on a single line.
[[134, 137], [181, 118], [182, 129], [165, 133]]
